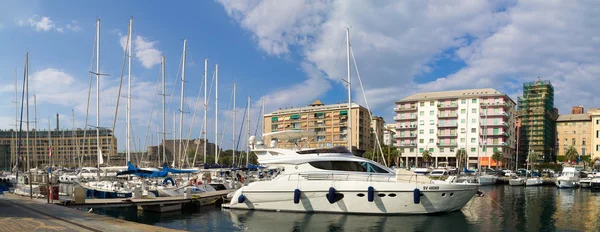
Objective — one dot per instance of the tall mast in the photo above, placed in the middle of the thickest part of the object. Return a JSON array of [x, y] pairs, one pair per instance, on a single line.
[[349, 91], [248, 135], [73, 140], [174, 137], [49, 144], [181, 105], [262, 116], [129, 46], [234, 114], [164, 115], [16, 120], [34, 153], [216, 114], [98, 147], [205, 107], [27, 109]]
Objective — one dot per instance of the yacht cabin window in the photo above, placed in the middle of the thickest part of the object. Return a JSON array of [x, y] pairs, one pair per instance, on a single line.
[[348, 166]]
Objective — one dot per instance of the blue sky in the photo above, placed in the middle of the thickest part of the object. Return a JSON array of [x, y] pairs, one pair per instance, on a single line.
[[287, 53]]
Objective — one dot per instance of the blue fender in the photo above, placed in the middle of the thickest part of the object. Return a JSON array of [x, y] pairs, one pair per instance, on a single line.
[[331, 196], [370, 193], [417, 196], [297, 194]]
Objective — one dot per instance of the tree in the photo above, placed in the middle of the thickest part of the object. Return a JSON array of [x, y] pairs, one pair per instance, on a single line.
[[426, 156], [571, 153], [498, 156], [369, 154], [461, 158]]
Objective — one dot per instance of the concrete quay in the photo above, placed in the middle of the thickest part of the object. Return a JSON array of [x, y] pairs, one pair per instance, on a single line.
[[23, 214]]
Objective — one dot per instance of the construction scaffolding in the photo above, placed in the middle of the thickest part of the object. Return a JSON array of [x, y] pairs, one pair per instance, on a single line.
[[538, 121]]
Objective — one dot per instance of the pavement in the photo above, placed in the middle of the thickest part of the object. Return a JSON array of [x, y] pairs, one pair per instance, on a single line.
[[23, 214]]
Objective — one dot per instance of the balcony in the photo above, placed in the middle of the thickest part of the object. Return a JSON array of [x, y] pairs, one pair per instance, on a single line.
[[447, 125], [404, 109], [447, 106], [407, 127], [494, 104], [500, 124], [405, 136], [442, 135], [446, 144], [494, 114], [407, 145], [498, 145], [503, 134], [447, 116], [396, 118]]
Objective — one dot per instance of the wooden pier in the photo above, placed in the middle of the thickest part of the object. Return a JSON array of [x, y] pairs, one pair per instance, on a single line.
[[158, 204]]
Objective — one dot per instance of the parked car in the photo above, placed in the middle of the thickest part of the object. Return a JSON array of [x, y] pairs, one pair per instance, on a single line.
[[507, 172]]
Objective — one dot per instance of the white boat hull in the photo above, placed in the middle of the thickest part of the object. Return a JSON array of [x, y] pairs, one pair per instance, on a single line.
[[566, 183], [516, 182], [389, 198], [487, 180], [585, 183], [534, 182]]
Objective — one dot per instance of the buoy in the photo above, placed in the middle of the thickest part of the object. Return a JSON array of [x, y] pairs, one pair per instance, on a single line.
[[331, 196], [370, 193], [297, 194], [417, 196], [241, 198]]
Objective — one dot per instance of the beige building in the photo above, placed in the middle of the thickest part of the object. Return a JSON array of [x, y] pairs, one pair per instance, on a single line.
[[574, 130], [330, 122], [595, 134], [377, 130], [388, 134], [66, 145]]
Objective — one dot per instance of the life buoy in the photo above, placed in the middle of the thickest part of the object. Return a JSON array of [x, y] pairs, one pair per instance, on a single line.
[[199, 183], [242, 179]]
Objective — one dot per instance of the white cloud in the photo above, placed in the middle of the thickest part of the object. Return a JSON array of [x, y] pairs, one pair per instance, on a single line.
[[502, 43], [144, 50], [74, 26], [41, 23]]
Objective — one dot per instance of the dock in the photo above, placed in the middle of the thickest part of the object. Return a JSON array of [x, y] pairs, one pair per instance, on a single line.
[[19, 213]]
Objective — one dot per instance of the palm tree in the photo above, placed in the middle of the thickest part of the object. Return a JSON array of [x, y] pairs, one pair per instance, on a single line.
[[571, 153], [426, 156], [370, 154], [498, 156], [461, 156]]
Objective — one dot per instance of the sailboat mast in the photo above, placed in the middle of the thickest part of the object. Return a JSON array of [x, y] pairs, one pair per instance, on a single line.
[[248, 133], [73, 135], [205, 107], [349, 91], [98, 147], [34, 153], [174, 137], [164, 116], [234, 114], [49, 144], [216, 113], [129, 46], [13, 160], [181, 105], [27, 109]]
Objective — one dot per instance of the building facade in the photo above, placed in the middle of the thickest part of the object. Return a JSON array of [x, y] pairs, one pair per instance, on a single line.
[[538, 120], [480, 121], [388, 134], [330, 122], [595, 135], [574, 130], [66, 146], [377, 130]]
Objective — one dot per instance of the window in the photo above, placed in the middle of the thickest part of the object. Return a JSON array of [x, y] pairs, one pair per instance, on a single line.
[[431, 103], [583, 132], [472, 140], [484, 149], [473, 130], [497, 110], [451, 149], [495, 149], [347, 166], [421, 122], [430, 131], [422, 104], [462, 140], [430, 140], [441, 150], [573, 141], [431, 113], [421, 141], [574, 132], [473, 149], [452, 141], [496, 122], [583, 141], [462, 121], [431, 122], [496, 100], [463, 111], [473, 120], [566, 142], [496, 131], [462, 130], [422, 113], [420, 132], [412, 150], [431, 150], [473, 100], [463, 101], [421, 150], [598, 134]]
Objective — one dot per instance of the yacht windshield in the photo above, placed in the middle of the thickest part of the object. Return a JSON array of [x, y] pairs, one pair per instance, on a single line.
[[338, 149], [348, 166]]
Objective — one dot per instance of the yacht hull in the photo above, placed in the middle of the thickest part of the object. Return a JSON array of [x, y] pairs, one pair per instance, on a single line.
[[595, 185], [352, 197], [516, 182], [487, 180], [565, 183], [533, 182]]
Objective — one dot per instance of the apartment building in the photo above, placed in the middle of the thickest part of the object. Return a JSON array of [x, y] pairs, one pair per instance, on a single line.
[[377, 130], [389, 131], [574, 130], [66, 146], [480, 121], [594, 114], [330, 122]]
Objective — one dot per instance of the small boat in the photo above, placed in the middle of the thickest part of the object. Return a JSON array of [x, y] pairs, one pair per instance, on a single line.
[[487, 179], [595, 184], [585, 182], [533, 181], [517, 181], [568, 179]]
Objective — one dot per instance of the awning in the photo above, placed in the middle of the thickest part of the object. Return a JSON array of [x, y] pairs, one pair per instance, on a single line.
[[295, 116], [274, 119], [319, 114], [343, 112]]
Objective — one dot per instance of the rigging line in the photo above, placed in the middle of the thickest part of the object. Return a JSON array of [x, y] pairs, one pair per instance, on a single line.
[[205, 108], [367, 104], [258, 121], [227, 117], [121, 83], [151, 111], [241, 130], [338, 57], [21, 124], [193, 118], [87, 108], [175, 84]]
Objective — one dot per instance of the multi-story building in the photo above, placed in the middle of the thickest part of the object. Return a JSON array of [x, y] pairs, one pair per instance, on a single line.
[[66, 146], [192, 147], [377, 130], [480, 121], [388, 134], [538, 120], [595, 136], [574, 130], [330, 122]]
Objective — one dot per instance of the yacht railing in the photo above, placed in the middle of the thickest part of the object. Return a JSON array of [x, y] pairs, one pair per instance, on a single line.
[[371, 177]]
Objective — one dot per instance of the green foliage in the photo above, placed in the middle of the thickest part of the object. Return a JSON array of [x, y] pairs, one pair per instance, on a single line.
[[551, 166], [498, 156], [461, 158], [571, 153], [426, 155]]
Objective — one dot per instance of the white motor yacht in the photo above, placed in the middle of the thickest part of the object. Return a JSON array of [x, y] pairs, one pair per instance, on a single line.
[[534, 181], [334, 180], [568, 179], [516, 181], [487, 179], [595, 183]]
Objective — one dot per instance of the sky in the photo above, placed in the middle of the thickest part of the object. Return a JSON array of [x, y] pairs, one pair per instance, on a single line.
[[287, 53]]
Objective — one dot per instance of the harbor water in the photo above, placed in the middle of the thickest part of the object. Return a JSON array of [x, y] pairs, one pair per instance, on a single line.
[[503, 208]]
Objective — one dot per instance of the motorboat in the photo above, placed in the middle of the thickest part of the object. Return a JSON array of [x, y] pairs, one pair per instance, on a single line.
[[595, 183], [333, 180], [516, 181], [533, 181], [568, 179], [117, 189], [585, 182], [487, 179]]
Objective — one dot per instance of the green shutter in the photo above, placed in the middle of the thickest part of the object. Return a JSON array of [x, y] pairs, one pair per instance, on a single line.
[[319, 114], [274, 119], [343, 112], [295, 116]]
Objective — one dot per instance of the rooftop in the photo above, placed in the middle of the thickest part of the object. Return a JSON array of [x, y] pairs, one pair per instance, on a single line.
[[341, 106], [466, 93], [573, 117]]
